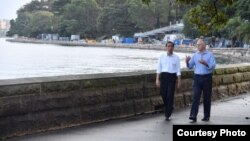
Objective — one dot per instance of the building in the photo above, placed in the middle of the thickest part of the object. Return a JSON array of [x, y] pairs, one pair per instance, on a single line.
[[4, 27], [4, 24]]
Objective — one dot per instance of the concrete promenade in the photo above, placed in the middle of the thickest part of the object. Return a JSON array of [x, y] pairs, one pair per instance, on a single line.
[[152, 127]]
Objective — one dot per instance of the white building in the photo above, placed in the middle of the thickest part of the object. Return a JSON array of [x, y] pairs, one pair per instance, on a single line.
[[4, 24]]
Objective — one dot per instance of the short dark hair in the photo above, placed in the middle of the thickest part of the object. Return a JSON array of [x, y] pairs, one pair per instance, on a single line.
[[169, 42]]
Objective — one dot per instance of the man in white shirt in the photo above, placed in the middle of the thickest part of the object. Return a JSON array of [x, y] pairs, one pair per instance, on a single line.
[[168, 77]]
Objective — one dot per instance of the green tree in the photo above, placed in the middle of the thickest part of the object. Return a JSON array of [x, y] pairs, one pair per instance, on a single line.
[[12, 30], [243, 32], [30, 7], [209, 14], [81, 17], [20, 25], [40, 22], [243, 9], [32, 24], [190, 30], [115, 18], [29, 20], [237, 29], [58, 5], [35, 5], [93, 18], [125, 25], [150, 16]]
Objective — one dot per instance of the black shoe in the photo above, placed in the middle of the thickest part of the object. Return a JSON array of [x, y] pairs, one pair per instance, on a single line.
[[193, 119], [205, 119], [167, 119]]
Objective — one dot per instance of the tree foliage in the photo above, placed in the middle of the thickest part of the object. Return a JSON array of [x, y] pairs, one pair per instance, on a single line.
[[209, 14], [93, 18], [226, 18]]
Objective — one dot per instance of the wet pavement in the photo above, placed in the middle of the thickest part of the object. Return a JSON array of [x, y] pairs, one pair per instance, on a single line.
[[152, 127]]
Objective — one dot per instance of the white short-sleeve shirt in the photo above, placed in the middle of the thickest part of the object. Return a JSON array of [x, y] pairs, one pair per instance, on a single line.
[[169, 63]]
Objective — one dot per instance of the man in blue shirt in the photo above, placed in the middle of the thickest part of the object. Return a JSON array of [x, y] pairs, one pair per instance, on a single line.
[[203, 63]]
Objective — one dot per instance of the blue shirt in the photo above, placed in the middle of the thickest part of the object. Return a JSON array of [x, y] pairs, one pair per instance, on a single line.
[[200, 68]]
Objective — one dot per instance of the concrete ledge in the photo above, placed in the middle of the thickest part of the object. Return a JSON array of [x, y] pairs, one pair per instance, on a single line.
[[33, 105]]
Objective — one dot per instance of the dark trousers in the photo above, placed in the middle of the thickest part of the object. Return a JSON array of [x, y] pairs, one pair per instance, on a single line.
[[167, 89], [202, 84]]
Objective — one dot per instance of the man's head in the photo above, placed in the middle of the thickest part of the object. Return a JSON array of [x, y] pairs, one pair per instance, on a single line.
[[201, 45], [170, 47]]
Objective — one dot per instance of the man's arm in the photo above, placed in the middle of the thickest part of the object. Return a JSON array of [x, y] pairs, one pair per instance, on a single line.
[[212, 62], [158, 71], [190, 62], [178, 82], [157, 80], [178, 73]]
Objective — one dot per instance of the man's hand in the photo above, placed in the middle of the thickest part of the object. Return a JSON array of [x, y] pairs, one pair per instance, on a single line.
[[188, 59], [178, 83], [157, 83], [203, 62]]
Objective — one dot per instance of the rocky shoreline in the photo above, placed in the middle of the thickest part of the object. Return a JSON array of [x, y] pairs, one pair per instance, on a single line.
[[232, 55], [116, 45]]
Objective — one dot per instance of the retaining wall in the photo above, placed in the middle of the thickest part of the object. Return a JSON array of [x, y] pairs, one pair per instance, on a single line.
[[40, 104]]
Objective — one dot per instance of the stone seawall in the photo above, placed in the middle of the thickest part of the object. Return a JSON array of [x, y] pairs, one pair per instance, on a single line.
[[34, 105]]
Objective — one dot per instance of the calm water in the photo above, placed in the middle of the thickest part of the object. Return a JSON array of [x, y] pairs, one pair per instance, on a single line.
[[19, 60]]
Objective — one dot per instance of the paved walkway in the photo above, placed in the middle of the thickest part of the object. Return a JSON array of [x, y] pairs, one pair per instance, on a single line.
[[234, 110]]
